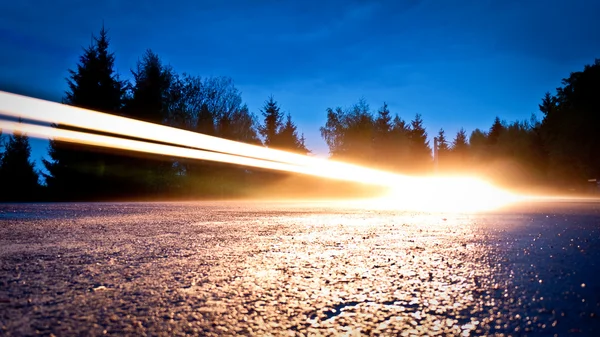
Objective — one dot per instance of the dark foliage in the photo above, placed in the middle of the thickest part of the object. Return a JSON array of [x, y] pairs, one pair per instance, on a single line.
[[571, 126], [349, 133], [280, 134], [84, 172], [273, 122], [18, 177], [419, 146], [459, 152]]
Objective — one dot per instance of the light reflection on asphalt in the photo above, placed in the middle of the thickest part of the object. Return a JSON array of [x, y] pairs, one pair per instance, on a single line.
[[296, 269]]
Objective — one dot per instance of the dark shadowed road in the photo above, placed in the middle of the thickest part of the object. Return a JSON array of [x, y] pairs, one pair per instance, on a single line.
[[297, 269]]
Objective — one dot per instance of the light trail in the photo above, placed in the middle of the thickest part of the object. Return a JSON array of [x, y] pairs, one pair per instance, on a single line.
[[69, 136], [44, 111], [424, 193]]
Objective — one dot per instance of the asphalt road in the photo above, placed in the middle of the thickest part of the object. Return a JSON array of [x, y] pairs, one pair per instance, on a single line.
[[297, 269]]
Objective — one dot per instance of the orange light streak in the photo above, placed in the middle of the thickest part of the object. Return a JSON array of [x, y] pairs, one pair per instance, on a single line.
[[43, 111], [413, 192]]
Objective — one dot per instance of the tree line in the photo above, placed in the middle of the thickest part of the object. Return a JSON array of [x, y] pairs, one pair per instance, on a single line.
[[560, 150]]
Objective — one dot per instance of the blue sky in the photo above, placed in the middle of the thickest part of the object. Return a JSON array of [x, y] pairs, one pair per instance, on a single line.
[[458, 63]]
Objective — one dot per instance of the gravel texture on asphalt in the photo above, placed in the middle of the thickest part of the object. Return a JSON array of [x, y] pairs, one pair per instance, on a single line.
[[294, 269]]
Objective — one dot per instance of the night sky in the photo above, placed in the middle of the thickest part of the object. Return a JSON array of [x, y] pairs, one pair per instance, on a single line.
[[458, 63]]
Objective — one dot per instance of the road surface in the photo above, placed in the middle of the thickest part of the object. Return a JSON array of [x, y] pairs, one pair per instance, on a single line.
[[259, 268]]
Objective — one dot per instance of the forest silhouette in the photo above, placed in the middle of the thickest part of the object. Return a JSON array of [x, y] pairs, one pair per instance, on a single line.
[[557, 153]]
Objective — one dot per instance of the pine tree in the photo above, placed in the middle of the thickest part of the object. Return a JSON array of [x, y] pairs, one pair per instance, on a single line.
[[273, 121], [549, 104], [496, 131], [400, 133], [460, 144], [442, 150], [288, 139], [383, 145], [95, 84], [149, 101], [276, 132], [443, 147], [383, 122], [152, 81], [459, 150], [18, 177], [419, 145], [78, 171]]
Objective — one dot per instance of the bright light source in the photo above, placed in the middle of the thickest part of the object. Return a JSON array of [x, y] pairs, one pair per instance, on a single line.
[[448, 194]]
